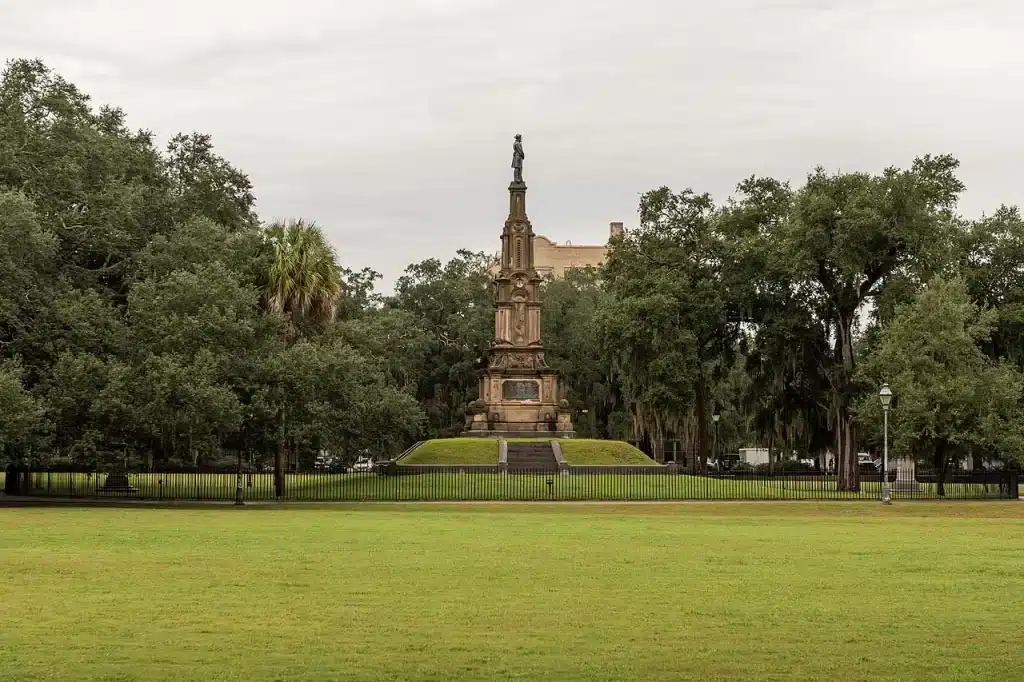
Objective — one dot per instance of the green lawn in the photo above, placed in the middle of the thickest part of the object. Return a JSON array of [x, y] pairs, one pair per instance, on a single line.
[[703, 591], [585, 451], [455, 451]]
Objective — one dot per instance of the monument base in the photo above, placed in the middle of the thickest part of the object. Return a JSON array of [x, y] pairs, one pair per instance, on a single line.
[[516, 433], [518, 419], [906, 477]]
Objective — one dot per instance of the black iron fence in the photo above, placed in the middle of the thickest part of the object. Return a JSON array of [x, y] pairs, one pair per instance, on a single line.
[[392, 483]]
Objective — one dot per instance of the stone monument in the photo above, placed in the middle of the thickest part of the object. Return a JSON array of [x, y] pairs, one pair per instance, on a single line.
[[519, 394], [906, 476]]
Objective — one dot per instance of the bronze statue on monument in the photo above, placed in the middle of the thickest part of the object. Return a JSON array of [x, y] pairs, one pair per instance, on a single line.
[[520, 395], [518, 155]]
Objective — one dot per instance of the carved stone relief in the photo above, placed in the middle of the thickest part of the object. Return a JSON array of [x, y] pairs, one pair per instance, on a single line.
[[519, 318], [520, 361]]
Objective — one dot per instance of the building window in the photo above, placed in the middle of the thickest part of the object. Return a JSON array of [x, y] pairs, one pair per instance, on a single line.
[[519, 253]]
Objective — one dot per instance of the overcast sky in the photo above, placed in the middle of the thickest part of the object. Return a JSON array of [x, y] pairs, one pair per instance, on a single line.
[[390, 123]]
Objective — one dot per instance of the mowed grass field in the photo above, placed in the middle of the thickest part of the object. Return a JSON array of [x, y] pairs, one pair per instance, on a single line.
[[699, 591]]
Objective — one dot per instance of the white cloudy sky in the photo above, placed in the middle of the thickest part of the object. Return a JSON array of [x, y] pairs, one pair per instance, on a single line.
[[390, 122]]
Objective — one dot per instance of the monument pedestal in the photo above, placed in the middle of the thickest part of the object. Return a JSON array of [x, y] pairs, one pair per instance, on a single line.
[[519, 399]]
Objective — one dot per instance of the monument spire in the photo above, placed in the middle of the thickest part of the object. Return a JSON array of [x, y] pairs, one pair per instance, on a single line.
[[518, 391], [517, 237]]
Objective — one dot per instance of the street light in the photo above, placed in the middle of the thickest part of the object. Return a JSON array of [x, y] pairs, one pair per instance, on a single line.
[[715, 418], [885, 397]]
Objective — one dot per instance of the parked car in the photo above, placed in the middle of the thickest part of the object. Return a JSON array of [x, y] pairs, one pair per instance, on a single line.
[[869, 467], [363, 464]]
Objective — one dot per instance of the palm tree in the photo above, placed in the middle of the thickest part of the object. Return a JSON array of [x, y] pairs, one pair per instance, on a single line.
[[304, 280]]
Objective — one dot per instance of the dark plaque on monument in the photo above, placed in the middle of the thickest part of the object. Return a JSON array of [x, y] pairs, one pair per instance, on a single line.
[[520, 390]]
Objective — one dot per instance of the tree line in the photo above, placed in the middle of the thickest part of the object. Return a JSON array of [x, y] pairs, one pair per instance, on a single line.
[[147, 315]]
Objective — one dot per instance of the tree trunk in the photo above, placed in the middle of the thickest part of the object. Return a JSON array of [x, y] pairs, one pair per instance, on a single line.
[[702, 427], [941, 465], [645, 444], [12, 479], [279, 461], [239, 487], [846, 452], [846, 442], [279, 471]]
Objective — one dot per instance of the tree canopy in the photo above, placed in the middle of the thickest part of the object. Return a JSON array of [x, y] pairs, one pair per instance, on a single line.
[[148, 315], [952, 399]]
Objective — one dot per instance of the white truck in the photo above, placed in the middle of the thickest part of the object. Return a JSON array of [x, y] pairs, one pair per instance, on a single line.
[[754, 456]]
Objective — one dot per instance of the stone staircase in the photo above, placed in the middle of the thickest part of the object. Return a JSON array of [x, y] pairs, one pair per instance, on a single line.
[[531, 457]]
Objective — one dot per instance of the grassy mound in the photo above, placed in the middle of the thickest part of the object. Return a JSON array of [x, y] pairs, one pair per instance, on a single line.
[[454, 451], [588, 452], [577, 451]]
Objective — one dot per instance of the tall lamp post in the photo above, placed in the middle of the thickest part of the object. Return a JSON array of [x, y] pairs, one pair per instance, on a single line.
[[885, 397], [718, 462]]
